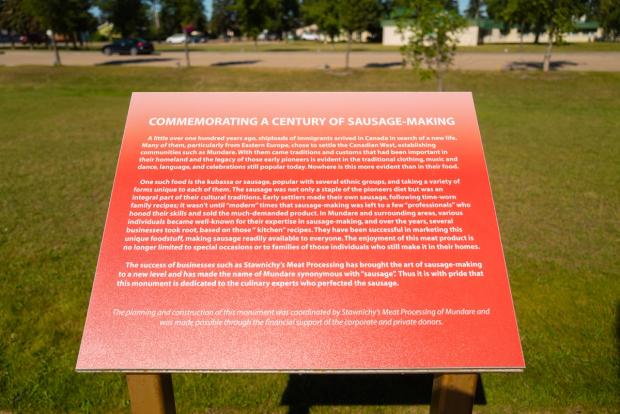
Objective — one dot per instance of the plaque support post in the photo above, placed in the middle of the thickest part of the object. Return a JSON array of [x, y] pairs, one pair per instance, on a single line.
[[453, 393], [151, 393]]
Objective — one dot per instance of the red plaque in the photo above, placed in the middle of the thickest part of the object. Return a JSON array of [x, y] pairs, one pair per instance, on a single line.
[[301, 232]]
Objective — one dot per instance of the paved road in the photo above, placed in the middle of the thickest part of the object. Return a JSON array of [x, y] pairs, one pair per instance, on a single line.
[[583, 61]]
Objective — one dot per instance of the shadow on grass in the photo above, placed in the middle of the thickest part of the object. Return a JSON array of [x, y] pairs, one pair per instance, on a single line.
[[306, 390], [235, 63], [383, 65], [288, 49], [120, 62], [554, 65]]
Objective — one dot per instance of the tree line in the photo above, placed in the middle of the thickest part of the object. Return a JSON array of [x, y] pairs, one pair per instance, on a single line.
[[333, 17], [428, 26], [160, 18], [550, 16], [70, 18]]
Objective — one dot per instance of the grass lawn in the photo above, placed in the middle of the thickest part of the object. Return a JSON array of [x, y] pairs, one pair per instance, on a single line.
[[299, 46], [553, 154], [309, 46], [540, 48]]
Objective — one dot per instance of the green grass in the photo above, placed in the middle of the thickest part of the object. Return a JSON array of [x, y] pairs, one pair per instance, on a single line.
[[238, 46], [309, 46], [540, 48], [553, 154], [299, 46]]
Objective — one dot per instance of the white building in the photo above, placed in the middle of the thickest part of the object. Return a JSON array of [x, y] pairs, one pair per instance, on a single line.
[[312, 32], [393, 37], [513, 36], [585, 32]]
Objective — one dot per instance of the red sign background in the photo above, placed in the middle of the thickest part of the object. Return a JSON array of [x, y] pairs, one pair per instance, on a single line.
[[379, 291]]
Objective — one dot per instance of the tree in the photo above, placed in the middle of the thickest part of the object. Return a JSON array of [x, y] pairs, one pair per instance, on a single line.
[[559, 16], [285, 17], [608, 14], [430, 27], [128, 16], [254, 16], [554, 16], [16, 19], [515, 13], [187, 15], [520, 13], [182, 13], [223, 17], [50, 14], [68, 17], [356, 16], [323, 13], [77, 19], [349, 16], [474, 9]]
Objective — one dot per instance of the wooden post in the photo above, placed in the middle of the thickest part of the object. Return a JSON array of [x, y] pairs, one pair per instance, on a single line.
[[151, 393], [453, 393]]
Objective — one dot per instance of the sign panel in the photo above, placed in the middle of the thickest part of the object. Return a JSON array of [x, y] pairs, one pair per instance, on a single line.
[[301, 232]]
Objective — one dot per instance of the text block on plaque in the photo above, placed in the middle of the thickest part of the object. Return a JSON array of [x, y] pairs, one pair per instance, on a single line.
[[301, 232]]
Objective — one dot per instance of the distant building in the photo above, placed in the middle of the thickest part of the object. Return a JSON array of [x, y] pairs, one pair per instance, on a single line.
[[393, 37], [487, 31], [312, 32], [585, 31]]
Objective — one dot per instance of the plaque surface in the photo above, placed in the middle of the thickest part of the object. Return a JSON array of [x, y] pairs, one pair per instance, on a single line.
[[301, 232]]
